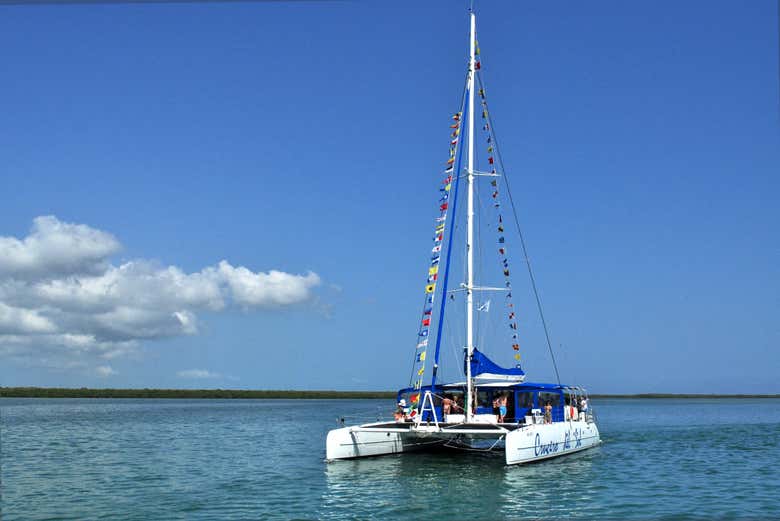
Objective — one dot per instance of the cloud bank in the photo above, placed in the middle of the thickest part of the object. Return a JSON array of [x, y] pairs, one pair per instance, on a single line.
[[62, 298]]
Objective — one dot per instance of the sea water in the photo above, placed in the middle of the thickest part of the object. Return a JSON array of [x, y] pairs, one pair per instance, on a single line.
[[264, 459]]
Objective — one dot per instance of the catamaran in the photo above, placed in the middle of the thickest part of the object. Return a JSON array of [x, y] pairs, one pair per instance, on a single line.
[[490, 407]]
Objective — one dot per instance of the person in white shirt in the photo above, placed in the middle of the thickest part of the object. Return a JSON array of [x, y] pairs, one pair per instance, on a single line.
[[583, 408]]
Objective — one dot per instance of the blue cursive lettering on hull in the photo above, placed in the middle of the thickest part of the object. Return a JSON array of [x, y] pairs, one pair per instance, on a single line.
[[544, 449]]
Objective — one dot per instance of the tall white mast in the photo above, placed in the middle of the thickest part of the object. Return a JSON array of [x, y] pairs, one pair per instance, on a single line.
[[470, 226]]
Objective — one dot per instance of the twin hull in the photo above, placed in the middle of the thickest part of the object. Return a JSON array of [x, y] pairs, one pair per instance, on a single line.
[[521, 445]]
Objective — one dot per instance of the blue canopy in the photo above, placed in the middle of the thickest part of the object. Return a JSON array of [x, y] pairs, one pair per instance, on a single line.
[[483, 366]]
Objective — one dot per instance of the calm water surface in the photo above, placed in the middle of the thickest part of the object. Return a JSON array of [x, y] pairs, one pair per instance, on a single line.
[[263, 459]]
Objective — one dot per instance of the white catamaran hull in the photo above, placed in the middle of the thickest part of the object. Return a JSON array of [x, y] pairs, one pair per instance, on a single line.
[[542, 441], [522, 445], [358, 442]]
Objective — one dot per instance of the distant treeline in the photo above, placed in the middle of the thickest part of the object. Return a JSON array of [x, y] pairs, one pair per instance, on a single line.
[[83, 392]]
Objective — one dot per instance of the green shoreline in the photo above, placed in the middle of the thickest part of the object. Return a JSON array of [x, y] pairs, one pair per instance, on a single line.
[[61, 392]]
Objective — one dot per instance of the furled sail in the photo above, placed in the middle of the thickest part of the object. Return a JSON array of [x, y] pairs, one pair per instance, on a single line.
[[486, 370]]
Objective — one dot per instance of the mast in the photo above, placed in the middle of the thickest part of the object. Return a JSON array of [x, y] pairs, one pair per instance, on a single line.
[[470, 225]]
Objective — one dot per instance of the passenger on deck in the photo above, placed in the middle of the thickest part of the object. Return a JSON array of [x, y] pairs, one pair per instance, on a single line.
[[583, 408], [456, 405], [446, 405], [501, 407], [401, 412], [548, 413]]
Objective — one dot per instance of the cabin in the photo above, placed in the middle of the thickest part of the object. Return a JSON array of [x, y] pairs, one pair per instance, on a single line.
[[525, 401]]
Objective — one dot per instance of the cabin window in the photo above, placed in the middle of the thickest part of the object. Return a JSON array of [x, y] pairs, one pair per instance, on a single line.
[[483, 399], [525, 400], [553, 398]]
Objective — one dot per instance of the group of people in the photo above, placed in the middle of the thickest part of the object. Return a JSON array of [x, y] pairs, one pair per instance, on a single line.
[[402, 411], [576, 408], [499, 406], [450, 404]]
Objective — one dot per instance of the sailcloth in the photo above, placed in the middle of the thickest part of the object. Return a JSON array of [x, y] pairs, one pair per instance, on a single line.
[[484, 368]]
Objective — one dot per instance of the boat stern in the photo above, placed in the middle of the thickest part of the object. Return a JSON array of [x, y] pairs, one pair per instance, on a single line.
[[541, 441], [352, 442]]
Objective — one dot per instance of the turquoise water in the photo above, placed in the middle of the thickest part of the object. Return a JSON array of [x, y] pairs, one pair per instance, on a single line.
[[263, 459]]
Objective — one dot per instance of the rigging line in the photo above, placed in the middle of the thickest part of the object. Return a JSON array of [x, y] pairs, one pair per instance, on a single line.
[[483, 325], [417, 341], [519, 231], [445, 279], [451, 343], [480, 276], [412, 379]]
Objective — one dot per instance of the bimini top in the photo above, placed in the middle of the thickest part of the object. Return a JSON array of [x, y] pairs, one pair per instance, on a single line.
[[489, 374]]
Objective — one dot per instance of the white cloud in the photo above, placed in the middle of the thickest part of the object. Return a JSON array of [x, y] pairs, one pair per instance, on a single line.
[[23, 321], [197, 373], [271, 289], [104, 371], [56, 248], [61, 296]]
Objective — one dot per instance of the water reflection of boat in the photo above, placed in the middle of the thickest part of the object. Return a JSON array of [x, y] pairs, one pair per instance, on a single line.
[[493, 407], [405, 488], [526, 494]]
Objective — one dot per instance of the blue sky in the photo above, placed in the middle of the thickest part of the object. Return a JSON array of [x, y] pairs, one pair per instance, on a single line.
[[308, 138]]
